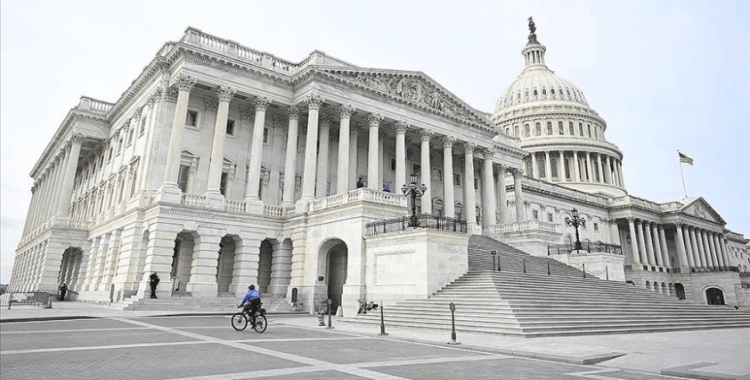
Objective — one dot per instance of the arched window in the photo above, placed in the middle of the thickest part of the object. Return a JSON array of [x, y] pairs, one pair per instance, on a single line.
[[538, 129], [553, 91], [549, 128], [535, 93], [580, 129], [526, 130], [568, 91], [544, 91], [515, 131], [540, 164], [560, 128], [589, 129], [507, 131], [529, 167], [527, 93], [596, 133], [519, 94], [553, 167], [571, 128]]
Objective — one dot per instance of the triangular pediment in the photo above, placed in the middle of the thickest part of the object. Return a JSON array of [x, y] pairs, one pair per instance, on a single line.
[[415, 88], [699, 208]]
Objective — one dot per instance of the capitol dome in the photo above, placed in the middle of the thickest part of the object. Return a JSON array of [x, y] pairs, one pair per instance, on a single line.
[[565, 138]]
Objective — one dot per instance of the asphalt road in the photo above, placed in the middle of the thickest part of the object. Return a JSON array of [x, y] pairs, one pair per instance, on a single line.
[[207, 348]]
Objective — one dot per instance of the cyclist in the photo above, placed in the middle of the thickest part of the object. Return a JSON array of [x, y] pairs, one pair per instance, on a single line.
[[251, 302]]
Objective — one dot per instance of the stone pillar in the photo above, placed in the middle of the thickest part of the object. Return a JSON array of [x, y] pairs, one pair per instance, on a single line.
[[281, 266], [707, 249], [577, 174], [252, 197], [184, 85], [663, 246], [342, 173], [400, 180], [381, 160], [712, 246], [561, 167], [470, 204], [426, 199], [314, 102], [642, 243], [56, 187], [154, 104], [719, 255], [488, 190], [321, 188], [290, 162], [518, 196], [619, 172], [353, 152], [684, 262], [705, 255], [214, 198], [607, 171], [689, 247], [589, 171], [246, 263], [534, 167], [203, 269], [599, 167], [657, 245], [29, 212], [724, 252], [373, 155], [448, 203], [548, 167], [700, 261], [502, 196]]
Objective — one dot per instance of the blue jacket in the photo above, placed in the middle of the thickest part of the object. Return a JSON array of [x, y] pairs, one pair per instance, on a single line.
[[250, 295]]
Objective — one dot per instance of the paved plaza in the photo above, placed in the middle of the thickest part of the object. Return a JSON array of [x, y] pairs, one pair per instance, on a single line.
[[121, 345]]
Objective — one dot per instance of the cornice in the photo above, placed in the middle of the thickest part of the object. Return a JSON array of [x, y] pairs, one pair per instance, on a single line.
[[573, 143], [203, 57]]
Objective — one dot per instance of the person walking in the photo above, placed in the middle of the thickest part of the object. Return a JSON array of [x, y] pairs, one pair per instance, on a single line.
[[63, 290], [153, 282]]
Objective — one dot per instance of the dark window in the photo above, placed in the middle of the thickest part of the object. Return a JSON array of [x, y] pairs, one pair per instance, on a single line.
[[182, 179], [230, 127], [538, 129], [589, 129], [553, 167], [560, 128], [192, 119], [550, 218], [535, 93], [223, 184], [526, 131], [142, 128], [130, 136], [571, 128], [580, 129], [133, 183], [553, 91], [456, 180], [549, 128], [393, 164], [544, 91], [596, 226], [265, 135], [535, 213]]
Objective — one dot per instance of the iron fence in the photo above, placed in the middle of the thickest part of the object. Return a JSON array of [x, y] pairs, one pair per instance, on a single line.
[[559, 249], [434, 222]]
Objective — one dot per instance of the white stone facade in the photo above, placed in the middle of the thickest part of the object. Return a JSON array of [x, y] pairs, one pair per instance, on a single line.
[[222, 166]]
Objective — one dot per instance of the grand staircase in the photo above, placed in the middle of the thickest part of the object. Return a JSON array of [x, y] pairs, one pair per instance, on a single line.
[[537, 304]]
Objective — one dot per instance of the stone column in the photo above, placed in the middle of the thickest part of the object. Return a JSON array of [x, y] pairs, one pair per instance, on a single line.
[[154, 104], [724, 252], [184, 85], [663, 246], [204, 268], [246, 262], [691, 262], [488, 190], [56, 187], [589, 171], [642, 243], [649, 243], [381, 160], [619, 172], [684, 262], [705, 255], [707, 249], [290, 162], [373, 147], [426, 200], [470, 205], [353, 152], [561, 167], [281, 266], [400, 180], [518, 195], [534, 168], [719, 255], [30, 211], [548, 167], [321, 188], [700, 260], [607, 171], [501, 195], [712, 246], [342, 173], [448, 203], [214, 198], [314, 102], [252, 192], [577, 174], [657, 245]]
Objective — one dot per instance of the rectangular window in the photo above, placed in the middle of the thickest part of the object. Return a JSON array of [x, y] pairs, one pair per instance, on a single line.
[[393, 164], [437, 175], [596, 226], [476, 183], [416, 169], [142, 127], [535, 214], [223, 184], [230, 127], [457, 180], [130, 136], [550, 217], [133, 183], [182, 179], [192, 119], [265, 135]]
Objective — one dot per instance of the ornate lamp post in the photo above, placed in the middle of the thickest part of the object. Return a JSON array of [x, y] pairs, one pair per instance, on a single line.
[[575, 222], [413, 191]]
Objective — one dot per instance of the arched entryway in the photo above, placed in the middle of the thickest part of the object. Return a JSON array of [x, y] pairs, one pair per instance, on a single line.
[[680, 290], [225, 264], [714, 296], [70, 265], [264, 265], [334, 255], [182, 262]]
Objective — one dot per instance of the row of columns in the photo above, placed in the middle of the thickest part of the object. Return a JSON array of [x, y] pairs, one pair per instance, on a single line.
[[52, 190], [649, 243], [318, 137], [703, 249], [583, 167], [27, 268]]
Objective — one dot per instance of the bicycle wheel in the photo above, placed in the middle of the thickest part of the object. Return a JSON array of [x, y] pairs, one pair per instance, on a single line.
[[239, 321], [260, 324]]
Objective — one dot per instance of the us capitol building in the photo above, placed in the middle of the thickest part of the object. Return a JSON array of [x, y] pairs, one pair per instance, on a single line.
[[222, 166]]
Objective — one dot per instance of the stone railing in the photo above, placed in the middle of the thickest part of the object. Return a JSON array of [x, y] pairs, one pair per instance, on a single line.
[[198, 38], [529, 225], [193, 200], [515, 142], [33, 234], [81, 224], [234, 206], [359, 195], [590, 247], [276, 211]]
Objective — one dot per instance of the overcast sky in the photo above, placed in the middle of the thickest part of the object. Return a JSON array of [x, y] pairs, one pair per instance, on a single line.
[[665, 75]]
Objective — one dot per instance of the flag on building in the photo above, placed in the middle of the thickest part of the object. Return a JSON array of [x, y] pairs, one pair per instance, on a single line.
[[685, 159]]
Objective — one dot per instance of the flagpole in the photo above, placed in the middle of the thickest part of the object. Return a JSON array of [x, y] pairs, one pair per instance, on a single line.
[[682, 175]]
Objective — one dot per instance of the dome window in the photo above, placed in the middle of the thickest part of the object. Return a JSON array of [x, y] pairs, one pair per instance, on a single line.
[[571, 129], [588, 126], [538, 129], [560, 128], [526, 131], [549, 128], [519, 94], [568, 91], [535, 93], [553, 91], [527, 93], [580, 129], [544, 91], [515, 132]]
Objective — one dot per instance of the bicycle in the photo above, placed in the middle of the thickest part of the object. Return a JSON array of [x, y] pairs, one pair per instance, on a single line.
[[259, 321]]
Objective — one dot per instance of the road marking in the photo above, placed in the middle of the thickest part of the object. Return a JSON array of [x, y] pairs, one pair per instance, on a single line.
[[85, 348], [72, 330]]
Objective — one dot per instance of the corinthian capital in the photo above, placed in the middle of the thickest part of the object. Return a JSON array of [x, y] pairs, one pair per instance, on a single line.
[[185, 82], [293, 113], [345, 111], [374, 119], [225, 93], [77, 137], [314, 101], [425, 134], [448, 141], [469, 147], [261, 103], [401, 127], [154, 97]]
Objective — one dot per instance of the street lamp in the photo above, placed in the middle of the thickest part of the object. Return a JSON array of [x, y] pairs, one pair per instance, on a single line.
[[413, 191], [575, 222]]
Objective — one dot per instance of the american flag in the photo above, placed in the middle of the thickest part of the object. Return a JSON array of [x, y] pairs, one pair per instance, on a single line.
[[684, 158]]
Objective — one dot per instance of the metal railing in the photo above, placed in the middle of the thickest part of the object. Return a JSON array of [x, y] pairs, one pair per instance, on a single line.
[[423, 221], [561, 249]]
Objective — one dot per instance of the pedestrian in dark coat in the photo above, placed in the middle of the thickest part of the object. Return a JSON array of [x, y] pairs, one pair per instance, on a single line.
[[154, 281], [63, 290]]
